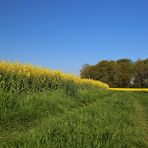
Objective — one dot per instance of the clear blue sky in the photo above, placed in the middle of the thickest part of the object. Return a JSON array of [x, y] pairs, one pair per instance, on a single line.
[[65, 34]]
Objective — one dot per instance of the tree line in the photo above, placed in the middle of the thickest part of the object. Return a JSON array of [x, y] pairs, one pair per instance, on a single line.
[[119, 73]]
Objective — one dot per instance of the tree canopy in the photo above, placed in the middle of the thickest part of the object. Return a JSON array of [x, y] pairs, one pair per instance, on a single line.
[[119, 73]]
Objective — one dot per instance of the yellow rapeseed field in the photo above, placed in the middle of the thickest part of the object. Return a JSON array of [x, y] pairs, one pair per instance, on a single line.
[[130, 89], [25, 77]]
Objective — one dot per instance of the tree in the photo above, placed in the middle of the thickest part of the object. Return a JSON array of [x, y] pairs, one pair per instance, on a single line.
[[126, 67], [141, 73], [108, 72], [120, 73], [105, 71], [85, 71]]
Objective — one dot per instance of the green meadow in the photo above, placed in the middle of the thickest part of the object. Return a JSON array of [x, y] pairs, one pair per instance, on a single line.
[[90, 119]]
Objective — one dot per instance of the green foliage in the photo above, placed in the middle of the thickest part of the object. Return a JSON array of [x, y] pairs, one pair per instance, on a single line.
[[71, 88], [54, 119], [121, 73], [141, 73]]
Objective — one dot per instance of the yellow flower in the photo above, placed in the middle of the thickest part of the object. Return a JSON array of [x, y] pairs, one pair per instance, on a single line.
[[43, 75]]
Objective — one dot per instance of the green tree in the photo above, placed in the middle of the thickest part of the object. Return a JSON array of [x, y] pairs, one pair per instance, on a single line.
[[141, 73], [85, 71], [120, 73], [109, 72], [126, 70]]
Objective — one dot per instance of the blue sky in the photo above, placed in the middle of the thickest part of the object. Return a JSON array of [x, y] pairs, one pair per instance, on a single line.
[[65, 34]]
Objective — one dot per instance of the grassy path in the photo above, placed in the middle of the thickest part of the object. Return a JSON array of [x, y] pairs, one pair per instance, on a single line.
[[105, 119], [141, 104]]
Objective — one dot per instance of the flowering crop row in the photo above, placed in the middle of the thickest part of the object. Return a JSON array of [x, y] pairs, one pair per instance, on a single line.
[[25, 77], [130, 89]]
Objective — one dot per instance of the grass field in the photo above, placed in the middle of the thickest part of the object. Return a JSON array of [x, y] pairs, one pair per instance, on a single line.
[[90, 119]]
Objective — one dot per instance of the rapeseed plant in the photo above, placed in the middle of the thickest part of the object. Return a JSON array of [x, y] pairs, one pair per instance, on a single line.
[[25, 77]]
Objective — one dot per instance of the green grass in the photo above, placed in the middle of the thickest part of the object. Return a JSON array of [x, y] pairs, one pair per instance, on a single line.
[[90, 119]]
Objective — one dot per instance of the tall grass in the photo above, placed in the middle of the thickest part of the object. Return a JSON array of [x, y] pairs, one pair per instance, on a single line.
[[54, 119]]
